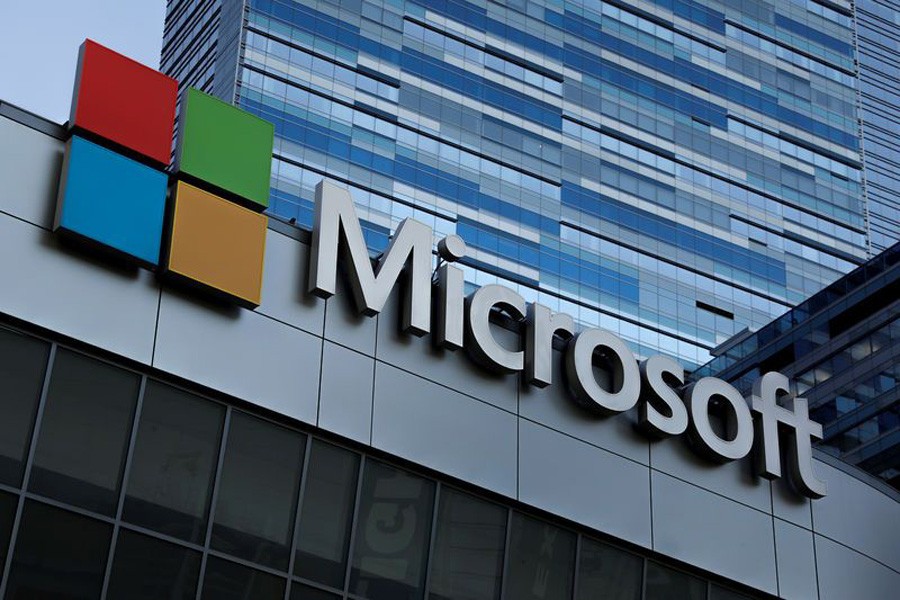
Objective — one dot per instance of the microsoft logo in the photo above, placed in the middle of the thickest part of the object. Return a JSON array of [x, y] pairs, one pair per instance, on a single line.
[[199, 222]]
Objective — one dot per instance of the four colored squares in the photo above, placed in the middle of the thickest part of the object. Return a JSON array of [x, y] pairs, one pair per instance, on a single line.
[[201, 224]]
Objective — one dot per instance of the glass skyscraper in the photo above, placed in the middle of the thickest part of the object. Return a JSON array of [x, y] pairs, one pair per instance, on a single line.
[[677, 171]]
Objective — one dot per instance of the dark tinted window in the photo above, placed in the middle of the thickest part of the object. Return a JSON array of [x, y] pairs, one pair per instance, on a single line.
[[257, 498], [468, 548], [608, 573], [225, 580], [541, 561], [304, 592], [326, 514], [8, 504], [392, 534], [173, 463], [668, 584], [23, 361], [145, 568], [84, 432], [719, 593], [58, 555]]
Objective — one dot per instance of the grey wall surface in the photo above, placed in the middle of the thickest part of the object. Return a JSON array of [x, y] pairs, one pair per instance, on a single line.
[[319, 363]]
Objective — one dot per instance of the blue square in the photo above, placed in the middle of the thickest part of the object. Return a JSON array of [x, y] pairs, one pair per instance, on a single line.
[[112, 200]]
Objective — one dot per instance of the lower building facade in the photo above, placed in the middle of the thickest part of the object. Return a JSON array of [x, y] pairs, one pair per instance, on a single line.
[[159, 444]]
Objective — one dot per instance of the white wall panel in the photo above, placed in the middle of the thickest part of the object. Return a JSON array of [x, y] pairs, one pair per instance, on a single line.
[[30, 163], [848, 575], [584, 483], [240, 353], [74, 294], [712, 532], [439, 428], [796, 562], [345, 403]]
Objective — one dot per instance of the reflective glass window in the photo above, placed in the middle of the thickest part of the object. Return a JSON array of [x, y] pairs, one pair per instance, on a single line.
[[58, 554], [304, 592], [392, 533], [225, 580], [326, 514], [145, 568], [23, 361], [8, 504], [84, 433], [608, 573], [541, 561], [668, 584], [467, 560], [254, 516], [173, 463]]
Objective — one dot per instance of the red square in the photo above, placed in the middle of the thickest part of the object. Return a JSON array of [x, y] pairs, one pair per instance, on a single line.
[[124, 101]]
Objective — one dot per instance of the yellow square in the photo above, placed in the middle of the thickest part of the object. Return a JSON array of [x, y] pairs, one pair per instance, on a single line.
[[218, 244]]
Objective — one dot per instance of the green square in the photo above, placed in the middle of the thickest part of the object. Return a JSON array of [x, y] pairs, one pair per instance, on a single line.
[[226, 147]]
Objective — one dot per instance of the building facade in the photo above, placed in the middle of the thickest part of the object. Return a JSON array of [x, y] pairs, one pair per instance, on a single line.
[[842, 349], [160, 444], [673, 171]]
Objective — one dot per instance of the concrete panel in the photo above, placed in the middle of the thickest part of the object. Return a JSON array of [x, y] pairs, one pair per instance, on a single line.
[[74, 294], [30, 163], [845, 574], [733, 480], [584, 483], [284, 294], [436, 427], [796, 562], [453, 369], [345, 402], [241, 353], [713, 533], [345, 326], [859, 516], [554, 407], [789, 505]]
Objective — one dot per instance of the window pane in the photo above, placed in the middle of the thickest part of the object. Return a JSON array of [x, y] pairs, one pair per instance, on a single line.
[[145, 568], [84, 433], [326, 514], [174, 462], [304, 592], [608, 573], [392, 534], [258, 491], [8, 504], [667, 584], [23, 361], [225, 580], [719, 593], [468, 548], [58, 555], [541, 561]]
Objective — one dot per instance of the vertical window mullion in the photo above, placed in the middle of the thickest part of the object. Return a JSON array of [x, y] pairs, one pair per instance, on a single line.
[[299, 508], [434, 525], [352, 544], [212, 501], [123, 484]]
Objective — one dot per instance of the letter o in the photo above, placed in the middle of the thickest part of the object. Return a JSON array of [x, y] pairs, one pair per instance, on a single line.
[[626, 377], [739, 424]]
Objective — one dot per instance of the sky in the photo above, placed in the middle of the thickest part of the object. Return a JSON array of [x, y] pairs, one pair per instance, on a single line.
[[39, 41]]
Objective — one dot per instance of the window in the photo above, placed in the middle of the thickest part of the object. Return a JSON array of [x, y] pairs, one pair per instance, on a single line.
[[254, 517], [225, 580], [392, 533], [58, 555], [173, 463], [609, 573], [145, 568], [327, 511], [84, 433], [23, 361], [541, 557], [8, 504], [667, 584], [303, 592], [467, 560]]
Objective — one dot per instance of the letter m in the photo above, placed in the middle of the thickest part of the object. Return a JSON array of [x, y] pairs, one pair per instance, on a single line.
[[336, 231]]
